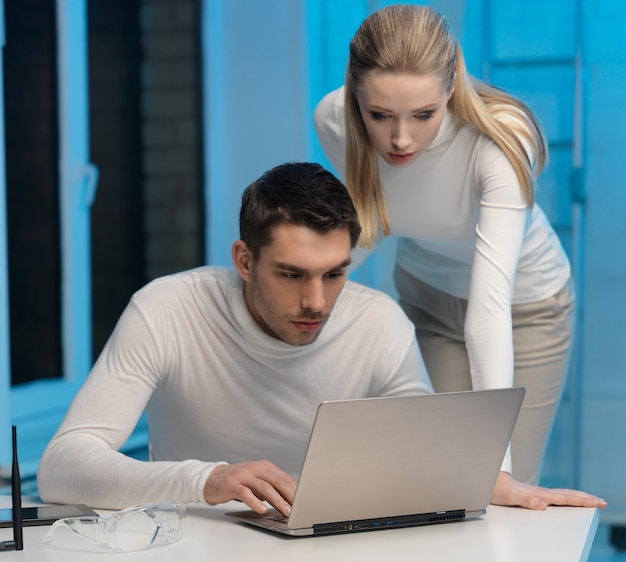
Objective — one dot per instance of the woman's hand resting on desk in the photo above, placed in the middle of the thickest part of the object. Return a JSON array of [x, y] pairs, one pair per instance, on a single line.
[[509, 491], [252, 483]]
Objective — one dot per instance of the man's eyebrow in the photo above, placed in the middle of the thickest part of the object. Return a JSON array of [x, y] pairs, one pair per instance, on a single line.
[[299, 270]]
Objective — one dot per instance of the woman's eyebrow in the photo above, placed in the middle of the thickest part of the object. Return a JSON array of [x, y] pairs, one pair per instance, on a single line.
[[429, 107]]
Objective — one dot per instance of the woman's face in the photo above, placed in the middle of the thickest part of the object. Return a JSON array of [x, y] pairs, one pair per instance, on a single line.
[[402, 113]]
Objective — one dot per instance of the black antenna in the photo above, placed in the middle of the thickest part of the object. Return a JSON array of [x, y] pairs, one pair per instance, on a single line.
[[16, 493], [16, 496]]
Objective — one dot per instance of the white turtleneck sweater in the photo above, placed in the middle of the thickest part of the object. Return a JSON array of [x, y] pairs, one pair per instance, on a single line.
[[466, 230], [216, 388]]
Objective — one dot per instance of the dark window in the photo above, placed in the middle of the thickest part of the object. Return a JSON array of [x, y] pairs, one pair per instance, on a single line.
[[30, 81]]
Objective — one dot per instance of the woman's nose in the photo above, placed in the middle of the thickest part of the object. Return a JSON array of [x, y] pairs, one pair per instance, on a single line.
[[401, 138]]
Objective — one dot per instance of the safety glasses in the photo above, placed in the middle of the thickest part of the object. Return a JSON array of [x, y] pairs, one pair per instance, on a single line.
[[134, 528]]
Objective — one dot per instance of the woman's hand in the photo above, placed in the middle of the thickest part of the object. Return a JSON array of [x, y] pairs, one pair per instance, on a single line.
[[511, 492]]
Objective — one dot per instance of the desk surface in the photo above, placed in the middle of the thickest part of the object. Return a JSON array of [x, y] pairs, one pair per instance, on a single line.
[[511, 534]]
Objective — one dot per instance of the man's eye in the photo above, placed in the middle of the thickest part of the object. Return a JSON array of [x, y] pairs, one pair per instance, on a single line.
[[291, 275], [335, 275]]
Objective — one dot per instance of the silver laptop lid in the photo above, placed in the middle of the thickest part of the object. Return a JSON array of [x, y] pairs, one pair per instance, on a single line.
[[394, 456]]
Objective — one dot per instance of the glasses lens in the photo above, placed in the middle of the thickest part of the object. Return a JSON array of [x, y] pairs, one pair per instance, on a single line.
[[135, 531], [169, 516]]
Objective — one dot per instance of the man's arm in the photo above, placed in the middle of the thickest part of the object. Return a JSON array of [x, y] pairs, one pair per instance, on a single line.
[[410, 376], [82, 463]]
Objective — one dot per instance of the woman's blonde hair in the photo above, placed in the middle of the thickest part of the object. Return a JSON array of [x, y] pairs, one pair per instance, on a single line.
[[418, 40]]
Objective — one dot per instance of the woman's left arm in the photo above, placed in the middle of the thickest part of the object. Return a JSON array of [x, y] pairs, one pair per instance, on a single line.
[[500, 231]]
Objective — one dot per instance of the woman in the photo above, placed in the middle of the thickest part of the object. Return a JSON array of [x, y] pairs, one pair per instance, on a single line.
[[448, 164]]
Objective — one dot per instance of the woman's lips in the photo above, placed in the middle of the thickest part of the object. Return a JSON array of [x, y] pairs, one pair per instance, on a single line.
[[400, 158]]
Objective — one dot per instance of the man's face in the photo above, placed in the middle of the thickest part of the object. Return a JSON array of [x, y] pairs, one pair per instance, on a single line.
[[291, 288]]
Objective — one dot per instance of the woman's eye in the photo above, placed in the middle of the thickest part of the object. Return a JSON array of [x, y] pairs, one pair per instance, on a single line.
[[377, 116], [424, 116]]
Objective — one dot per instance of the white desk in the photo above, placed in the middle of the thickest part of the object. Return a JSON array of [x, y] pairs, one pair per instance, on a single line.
[[502, 535]]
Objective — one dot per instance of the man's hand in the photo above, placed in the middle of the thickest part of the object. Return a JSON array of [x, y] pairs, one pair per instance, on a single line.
[[252, 483], [509, 491]]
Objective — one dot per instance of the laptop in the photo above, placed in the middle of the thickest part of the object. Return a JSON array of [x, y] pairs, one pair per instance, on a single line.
[[382, 463]]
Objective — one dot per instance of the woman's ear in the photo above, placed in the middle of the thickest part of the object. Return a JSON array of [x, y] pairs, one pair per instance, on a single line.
[[452, 86], [242, 259]]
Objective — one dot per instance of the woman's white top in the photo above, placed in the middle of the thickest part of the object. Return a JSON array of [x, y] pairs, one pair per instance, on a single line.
[[464, 229]]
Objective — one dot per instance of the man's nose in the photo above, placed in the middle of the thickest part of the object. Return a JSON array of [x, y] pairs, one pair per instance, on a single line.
[[313, 297]]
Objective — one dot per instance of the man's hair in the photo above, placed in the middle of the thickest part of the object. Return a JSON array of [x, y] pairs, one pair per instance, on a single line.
[[299, 193]]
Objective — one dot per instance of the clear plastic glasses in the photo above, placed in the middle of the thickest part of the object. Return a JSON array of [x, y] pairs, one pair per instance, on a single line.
[[134, 528]]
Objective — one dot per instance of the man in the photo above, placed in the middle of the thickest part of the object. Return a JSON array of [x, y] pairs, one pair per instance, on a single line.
[[231, 366]]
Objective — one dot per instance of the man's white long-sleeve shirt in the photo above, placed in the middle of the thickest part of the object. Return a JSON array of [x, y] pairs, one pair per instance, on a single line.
[[216, 388]]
